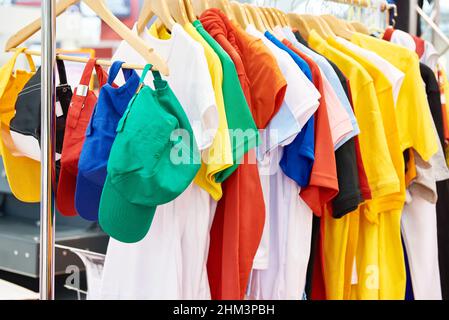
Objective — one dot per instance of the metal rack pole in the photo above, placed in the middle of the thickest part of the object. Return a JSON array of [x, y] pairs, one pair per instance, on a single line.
[[48, 122]]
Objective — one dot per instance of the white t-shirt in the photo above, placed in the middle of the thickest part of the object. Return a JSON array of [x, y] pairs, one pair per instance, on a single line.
[[427, 173], [393, 74], [430, 55], [169, 262], [289, 244], [189, 78], [300, 103], [301, 96], [419, 231]]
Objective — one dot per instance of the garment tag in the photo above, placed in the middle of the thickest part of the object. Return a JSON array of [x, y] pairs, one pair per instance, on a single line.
[[59, 111], [355, 278], [82, 90]]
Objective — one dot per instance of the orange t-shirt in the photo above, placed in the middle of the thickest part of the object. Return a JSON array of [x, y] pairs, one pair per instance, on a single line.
[[323, 186], [238, 224]]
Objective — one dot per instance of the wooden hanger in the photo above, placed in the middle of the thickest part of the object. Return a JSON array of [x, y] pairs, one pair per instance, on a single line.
[[255, 11], [282, 17], [199, 6], [248, 14], [298, 22], [190, 11], [270, 12], [100, 8], [224, 6], [337, 26], [316, 25], [360, 27], [326, 27], [240, 14], [266, 14], [151, 8], [279, 17], [349, 26], [254, 15], [178, 11]]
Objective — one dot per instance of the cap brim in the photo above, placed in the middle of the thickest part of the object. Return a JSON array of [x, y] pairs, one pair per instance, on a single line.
[[122, 220], [23, 176], [65, 197], [87, 198]]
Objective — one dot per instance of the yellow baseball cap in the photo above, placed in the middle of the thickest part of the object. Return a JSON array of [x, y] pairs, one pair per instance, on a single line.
[[23, 173]]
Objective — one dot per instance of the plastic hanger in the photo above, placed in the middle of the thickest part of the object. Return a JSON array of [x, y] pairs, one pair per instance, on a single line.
[[253, 14], [151, 8], [178, 11], [298, 22], [240, 14], [100, 8]]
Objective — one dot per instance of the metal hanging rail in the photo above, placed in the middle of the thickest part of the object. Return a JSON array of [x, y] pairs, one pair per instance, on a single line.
[[48, 143], [435, 27]]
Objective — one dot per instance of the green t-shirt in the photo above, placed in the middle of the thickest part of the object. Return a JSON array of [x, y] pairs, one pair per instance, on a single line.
[[242, 128]]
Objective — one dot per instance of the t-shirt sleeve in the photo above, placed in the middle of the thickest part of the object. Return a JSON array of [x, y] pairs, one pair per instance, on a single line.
[[349, 196], [323, 186], [262, 69], [204, 118], [301, 95], [298, 158], [377, 161], [339, 120]]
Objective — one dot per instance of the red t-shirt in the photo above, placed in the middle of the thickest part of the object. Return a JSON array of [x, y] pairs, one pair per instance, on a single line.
[[323, 186], [239, 221]]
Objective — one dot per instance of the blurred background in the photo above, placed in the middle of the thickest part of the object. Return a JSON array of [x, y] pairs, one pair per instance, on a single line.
[[78, 28], [81, 33]]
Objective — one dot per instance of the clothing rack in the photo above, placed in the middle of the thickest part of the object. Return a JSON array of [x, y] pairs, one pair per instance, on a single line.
[[105, 63], [383, 5], [48, 136], [48, 151]]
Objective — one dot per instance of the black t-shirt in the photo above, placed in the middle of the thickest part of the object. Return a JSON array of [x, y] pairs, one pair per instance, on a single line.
[[349, 196], [434, 99]]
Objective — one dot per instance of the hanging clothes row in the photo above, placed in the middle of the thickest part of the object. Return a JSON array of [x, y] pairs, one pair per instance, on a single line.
[[287, 158]]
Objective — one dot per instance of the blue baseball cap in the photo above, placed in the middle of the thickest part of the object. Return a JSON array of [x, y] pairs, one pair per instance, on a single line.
[[100, 135]]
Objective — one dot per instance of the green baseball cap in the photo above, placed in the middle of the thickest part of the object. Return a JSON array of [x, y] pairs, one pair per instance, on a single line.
[[154, 158]]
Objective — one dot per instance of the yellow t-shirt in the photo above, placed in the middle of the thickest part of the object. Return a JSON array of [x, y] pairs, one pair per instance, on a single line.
[[380, 248], [218, 156], [412, 109], [380, 171], [385, 97], [341, 240]]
